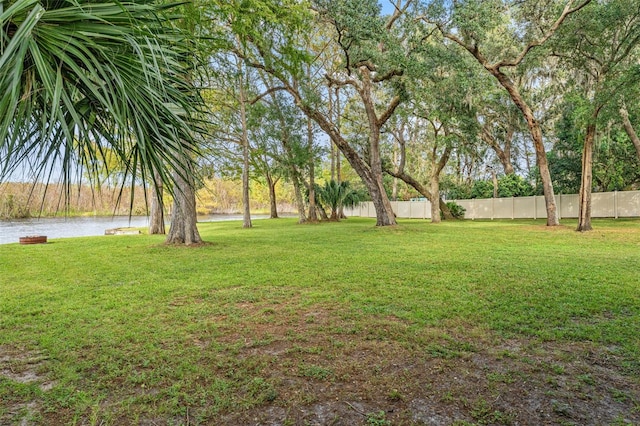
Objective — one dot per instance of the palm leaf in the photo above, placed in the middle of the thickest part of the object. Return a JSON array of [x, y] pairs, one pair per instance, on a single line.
[[78, 79]]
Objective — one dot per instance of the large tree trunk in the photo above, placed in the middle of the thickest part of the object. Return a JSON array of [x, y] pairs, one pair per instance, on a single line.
[[184, 229], [435, 202], [438, 206], [156, 216], [516, 97], [628, 127], [411, 181], [584, 215], [384, 212], [536, 135], [371, 173]]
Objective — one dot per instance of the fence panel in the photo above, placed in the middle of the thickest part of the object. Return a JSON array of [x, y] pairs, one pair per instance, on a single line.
[[523, 207], [604, 204], [567, 204], [628, 204], [540, 208], [469, 208], [404, 209], [502, 208]]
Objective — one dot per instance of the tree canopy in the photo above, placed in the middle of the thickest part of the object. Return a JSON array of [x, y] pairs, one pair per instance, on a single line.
[[427, 97]]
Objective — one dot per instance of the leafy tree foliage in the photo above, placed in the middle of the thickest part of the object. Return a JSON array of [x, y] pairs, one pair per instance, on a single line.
[[616, 167]]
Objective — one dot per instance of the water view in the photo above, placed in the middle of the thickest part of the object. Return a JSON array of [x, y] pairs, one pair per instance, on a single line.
[[12, 230]]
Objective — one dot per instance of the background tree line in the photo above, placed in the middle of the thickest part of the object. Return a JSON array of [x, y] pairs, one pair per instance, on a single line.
[[406, 98]]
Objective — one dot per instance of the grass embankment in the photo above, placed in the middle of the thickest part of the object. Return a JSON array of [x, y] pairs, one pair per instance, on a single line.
[[339, 323]]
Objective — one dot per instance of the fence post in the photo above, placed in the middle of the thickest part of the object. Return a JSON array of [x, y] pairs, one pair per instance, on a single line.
[[615, 204], [535, 207], [513, 208], [493, 208]]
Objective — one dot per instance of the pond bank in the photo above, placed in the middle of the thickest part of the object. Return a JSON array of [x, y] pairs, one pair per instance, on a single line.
[[61, 227]]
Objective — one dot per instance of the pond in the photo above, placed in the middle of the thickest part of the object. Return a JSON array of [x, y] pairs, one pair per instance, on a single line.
[[60, 227]]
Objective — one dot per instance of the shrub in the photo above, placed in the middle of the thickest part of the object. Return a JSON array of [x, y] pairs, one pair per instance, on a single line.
[[456, 210]]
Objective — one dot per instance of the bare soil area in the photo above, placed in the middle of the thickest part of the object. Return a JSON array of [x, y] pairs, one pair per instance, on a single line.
[[322, 368]]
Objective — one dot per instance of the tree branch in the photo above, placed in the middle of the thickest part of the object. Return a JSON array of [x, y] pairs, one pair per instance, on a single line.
[[566, 12], [334, 82], [399, 10], [395, 102], [268, 92], [387, 76]]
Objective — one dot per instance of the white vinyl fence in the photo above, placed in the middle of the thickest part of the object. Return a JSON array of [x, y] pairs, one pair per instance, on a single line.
[[603, 204]]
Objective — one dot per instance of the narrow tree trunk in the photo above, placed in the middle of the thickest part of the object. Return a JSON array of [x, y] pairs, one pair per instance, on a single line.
[[272, 196], [184, 229], [628, 127], [295, 178], [156, 216], [527, 159], [494, 179], [586, 181], [297, 189], [321, 212], [338, 179], [312, 184], [394, 187], [332, 146], [246, 207], [293, 170], [504, 155]]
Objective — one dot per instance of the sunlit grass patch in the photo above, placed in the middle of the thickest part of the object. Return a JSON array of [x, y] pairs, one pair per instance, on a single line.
[[286, 315]]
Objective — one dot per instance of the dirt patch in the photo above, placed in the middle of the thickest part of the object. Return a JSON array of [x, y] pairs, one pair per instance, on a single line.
[[314, 366], [23, 367], [329, 372]]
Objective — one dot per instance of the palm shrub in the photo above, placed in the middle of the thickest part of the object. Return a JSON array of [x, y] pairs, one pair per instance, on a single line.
[[456, 210], [83, 78], [335, 195]]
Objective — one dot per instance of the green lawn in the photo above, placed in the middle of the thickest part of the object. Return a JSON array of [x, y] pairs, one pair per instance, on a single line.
[[288, 323]]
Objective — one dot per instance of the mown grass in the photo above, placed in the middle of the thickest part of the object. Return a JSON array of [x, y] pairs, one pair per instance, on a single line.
[[126, 328]]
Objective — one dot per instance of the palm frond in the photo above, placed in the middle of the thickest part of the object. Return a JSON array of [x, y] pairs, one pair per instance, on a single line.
[[79, 78]]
